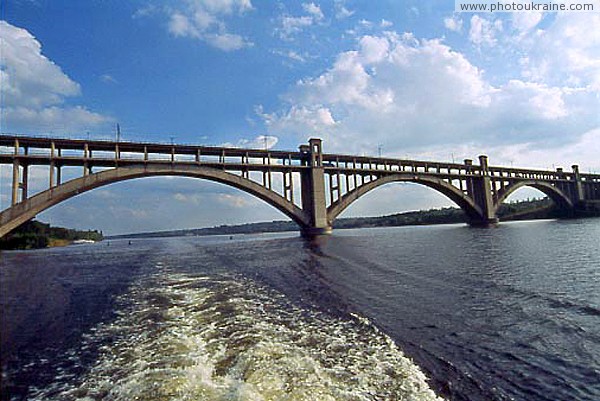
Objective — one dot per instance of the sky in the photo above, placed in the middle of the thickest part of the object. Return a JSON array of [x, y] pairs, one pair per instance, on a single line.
[[404, 78]]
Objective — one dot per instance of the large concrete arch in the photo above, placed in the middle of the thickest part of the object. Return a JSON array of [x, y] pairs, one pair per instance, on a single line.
[[16, 215], [456, 195], [558, 197]]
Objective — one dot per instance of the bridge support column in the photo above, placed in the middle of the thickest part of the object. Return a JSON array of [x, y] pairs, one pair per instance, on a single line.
[[480, 189], [585, 203], [313, 190], [51, 175], [15, 182], [25, 183], [579, 195]]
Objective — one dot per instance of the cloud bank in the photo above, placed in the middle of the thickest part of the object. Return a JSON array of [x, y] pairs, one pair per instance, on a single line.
[[35, 89]]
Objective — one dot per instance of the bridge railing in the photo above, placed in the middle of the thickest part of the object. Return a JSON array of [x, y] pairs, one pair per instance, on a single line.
[[389, 165], [100, 153], [530, 174], [276, 170]]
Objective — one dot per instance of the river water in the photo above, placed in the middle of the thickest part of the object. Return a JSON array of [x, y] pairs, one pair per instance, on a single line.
[[411, 313]]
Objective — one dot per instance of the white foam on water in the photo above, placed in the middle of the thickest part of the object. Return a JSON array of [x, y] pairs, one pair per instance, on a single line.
[[192, 337]]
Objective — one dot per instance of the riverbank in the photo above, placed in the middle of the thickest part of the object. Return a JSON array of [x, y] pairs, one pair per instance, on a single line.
[[35, 235], [521, 210]]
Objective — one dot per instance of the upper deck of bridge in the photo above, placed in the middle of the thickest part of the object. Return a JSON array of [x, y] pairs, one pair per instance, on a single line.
[[105, 153]]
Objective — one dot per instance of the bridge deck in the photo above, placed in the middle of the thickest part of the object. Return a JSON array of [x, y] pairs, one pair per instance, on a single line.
[[106, 154], [309, 186]]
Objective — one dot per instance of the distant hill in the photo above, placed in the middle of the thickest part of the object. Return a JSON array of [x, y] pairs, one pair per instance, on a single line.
[[34, 234], [522, 210]]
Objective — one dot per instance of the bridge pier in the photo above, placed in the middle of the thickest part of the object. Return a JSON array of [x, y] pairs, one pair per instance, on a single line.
[[579, 195], [313, 190], [480, 189]]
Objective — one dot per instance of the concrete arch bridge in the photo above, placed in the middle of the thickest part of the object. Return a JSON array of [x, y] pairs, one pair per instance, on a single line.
[[311, 187]]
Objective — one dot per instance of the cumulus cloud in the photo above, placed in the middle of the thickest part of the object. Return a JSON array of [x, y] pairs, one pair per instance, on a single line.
[[453, 23], [583, 151], [311, 120], [525, 22], [483, 32], [314, 10], [291, 25], [35, 88], [413, 94], [52, 118], [568, 50], [204, 20], [30, 78]]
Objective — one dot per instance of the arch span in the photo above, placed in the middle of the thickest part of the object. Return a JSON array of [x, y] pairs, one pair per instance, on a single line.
[[456, 195], [558, 197], [16, 215]]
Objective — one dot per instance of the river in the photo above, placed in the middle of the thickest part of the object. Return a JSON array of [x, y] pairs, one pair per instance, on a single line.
[[410, 313]]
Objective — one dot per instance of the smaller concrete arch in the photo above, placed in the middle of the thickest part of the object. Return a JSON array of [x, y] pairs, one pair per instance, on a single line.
[[16, 215], [466, 203], [560, 198]]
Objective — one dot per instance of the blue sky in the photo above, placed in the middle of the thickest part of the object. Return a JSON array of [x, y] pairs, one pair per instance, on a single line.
[[413, 77]]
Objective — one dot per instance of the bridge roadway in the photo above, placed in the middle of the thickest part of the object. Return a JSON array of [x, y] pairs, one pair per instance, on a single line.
[[309, 186]]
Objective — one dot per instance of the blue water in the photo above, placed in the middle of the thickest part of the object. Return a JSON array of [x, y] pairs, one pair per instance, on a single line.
[[397, 313]]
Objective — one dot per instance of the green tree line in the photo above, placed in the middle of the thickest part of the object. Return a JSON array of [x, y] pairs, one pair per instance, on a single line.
[[34, 234]]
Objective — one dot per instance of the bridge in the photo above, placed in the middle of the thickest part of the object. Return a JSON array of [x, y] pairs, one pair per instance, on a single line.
[[311, 187]]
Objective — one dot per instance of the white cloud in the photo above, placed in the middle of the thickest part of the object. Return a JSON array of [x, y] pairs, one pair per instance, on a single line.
[[365, 23], [224, 6], [292, 55], [204, 20], [411, 94], [313, 10], [583, 151], [483, 31], [178, 196], [525, 22], [35, 88], [227, 41], [146, 11], [29, 78], [385, 23], [291, 25], [52, 118], [237, 201], [107, 78], [341, 12], [259, 142], [453, 23], [180, 25], [307, 121], [568, 50], [295, 56]]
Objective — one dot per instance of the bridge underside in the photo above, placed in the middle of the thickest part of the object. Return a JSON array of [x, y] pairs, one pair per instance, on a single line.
[[560, 198], [13, 217], [473, 212]]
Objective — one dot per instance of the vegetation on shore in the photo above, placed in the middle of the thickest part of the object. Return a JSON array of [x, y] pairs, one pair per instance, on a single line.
[[34, 234], [521, 210]]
